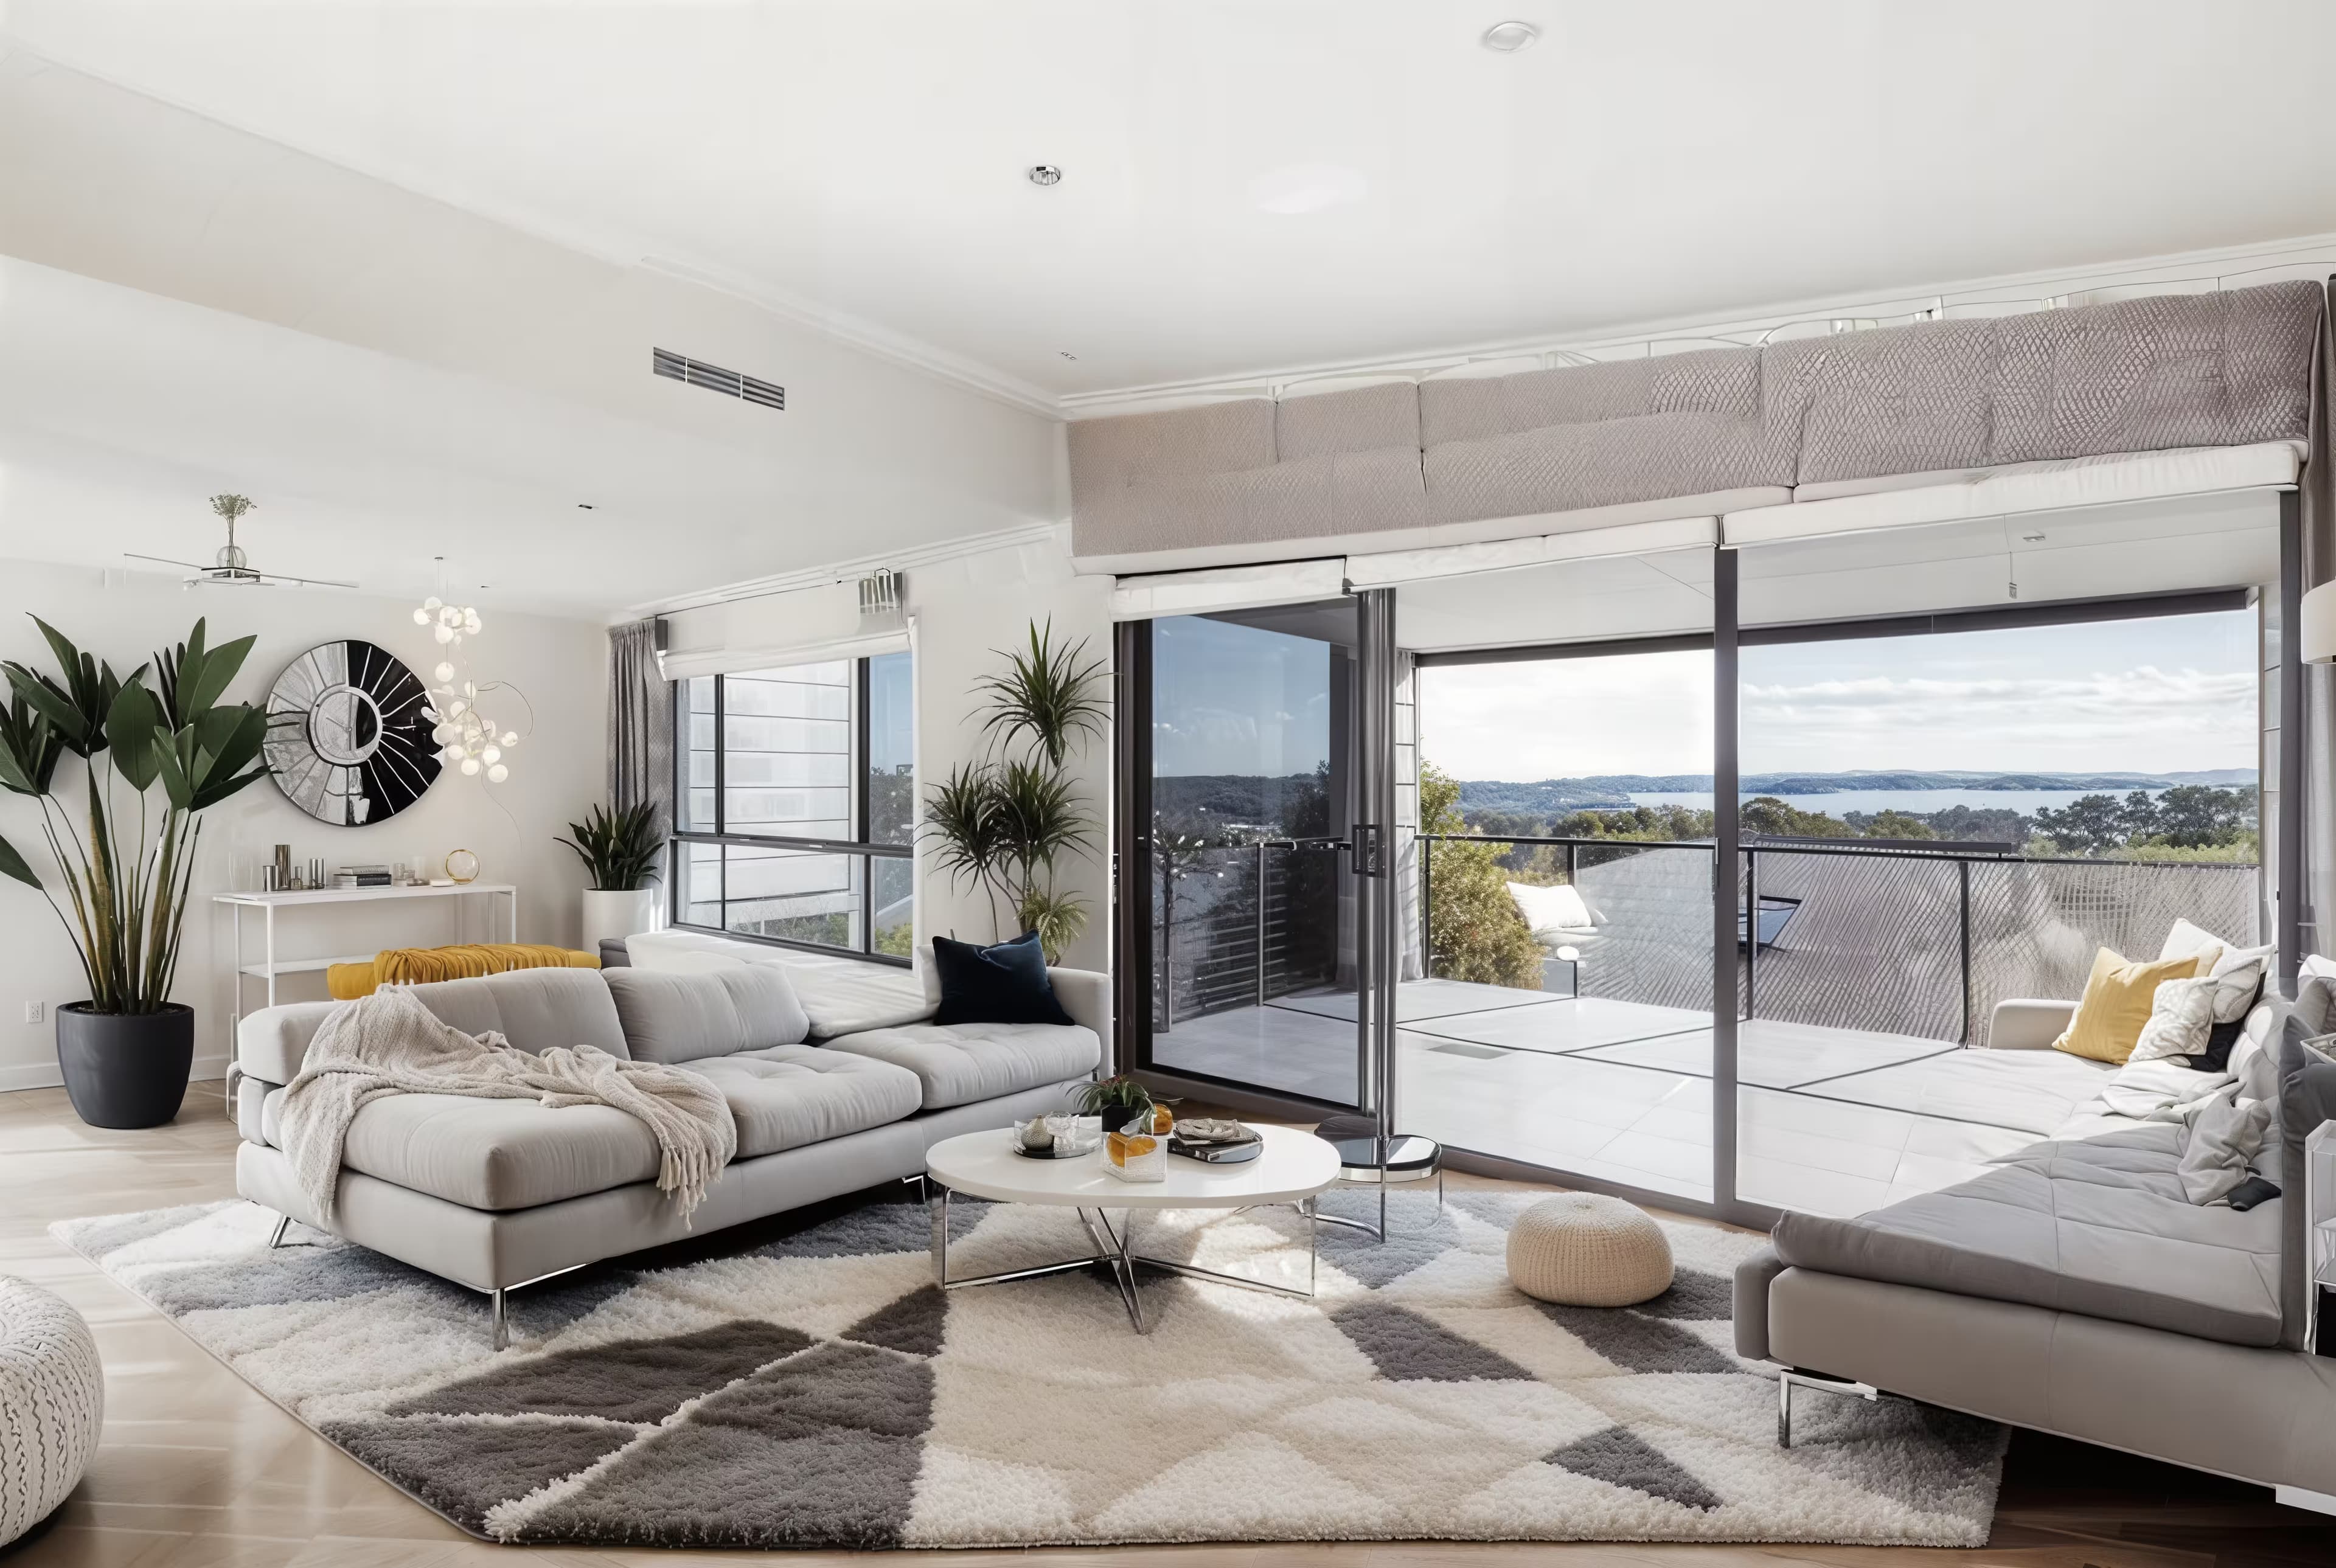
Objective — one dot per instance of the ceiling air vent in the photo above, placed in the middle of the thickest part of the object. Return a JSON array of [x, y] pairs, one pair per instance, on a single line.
[[714, 378]]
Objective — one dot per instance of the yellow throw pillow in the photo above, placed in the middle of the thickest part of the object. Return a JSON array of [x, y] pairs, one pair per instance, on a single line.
[[2117, 1003]]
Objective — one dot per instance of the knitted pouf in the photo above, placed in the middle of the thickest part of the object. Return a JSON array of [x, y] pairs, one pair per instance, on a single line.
[[1587, 1249], [52, 1400]]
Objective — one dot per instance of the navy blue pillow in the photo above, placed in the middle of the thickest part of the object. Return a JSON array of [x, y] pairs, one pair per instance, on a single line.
[[1005, 984]]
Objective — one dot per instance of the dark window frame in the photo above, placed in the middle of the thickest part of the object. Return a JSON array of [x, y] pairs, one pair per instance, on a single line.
[[862, 946]]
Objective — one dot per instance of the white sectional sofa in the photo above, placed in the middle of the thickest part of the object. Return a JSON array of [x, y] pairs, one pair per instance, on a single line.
[[494, 1194]]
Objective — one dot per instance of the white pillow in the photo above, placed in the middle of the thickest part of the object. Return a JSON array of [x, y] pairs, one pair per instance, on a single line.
[[2181, 1015], [2238, 977], [2188, 941], [1550, 910]]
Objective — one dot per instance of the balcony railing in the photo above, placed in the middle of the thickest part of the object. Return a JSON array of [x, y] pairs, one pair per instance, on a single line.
[[1237, 925], [1905, 938], [817, 893]]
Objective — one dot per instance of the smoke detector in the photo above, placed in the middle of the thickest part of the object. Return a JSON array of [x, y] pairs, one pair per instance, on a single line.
[[1508, 37]]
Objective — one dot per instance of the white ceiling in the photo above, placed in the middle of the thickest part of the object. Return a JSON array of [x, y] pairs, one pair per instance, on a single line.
[[864, 159]]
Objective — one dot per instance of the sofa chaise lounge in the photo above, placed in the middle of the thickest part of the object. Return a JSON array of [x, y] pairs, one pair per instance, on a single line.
[[2074, 1289], [830, 1099]]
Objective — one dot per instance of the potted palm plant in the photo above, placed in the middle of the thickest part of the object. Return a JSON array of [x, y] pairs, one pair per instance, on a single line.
[[126, 866], [1006, 823], [619, 848]]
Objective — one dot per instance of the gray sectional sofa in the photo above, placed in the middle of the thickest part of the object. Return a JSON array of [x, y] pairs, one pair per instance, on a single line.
[[2076, 1290], [497, 1194]]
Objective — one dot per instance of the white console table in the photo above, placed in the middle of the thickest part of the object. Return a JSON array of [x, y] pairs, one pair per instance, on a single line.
[[269, 904]]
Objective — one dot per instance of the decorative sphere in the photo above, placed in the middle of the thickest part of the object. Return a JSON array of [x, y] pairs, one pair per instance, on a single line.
[[497, 773], [470, 766], [511, 738], [493, 754], [433, 602], [452, 753], [471, 622], [421, 618], [444, 634], [443, 734], [443, 674]]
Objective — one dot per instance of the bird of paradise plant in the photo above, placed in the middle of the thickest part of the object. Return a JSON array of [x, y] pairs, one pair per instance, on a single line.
[[126, 891]]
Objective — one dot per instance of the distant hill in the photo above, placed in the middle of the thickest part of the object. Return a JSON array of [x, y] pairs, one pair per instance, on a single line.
[[1611, 790]]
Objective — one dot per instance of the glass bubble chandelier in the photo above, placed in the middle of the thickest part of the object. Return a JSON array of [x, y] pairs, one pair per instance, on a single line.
[[467, 738]]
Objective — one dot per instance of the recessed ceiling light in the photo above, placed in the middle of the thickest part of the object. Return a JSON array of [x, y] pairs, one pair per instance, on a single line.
[[1066, 354], [1045, 175], [584, 506], [1508, 37], [1307, 188]]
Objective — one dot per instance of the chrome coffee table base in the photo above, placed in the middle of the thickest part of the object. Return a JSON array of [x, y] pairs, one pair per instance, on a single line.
[[1115, 1249]]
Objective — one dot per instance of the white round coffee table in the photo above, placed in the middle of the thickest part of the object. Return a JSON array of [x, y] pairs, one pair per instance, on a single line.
[[1294, 1168]]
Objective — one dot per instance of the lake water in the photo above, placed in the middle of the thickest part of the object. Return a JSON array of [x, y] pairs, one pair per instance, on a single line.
[[1843, 802]]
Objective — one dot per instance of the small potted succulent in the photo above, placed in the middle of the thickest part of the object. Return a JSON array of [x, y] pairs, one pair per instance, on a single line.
[[1120, 1101], [620, 849]]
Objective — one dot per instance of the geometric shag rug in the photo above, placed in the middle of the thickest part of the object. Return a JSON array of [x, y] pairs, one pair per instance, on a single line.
[[809, 1386]]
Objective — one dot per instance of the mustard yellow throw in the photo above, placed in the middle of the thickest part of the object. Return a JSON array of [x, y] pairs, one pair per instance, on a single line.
[[2117, 1003], [419, 965]]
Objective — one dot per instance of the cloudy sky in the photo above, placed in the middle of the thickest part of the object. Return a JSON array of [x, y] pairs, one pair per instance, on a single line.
[[2176, 692]]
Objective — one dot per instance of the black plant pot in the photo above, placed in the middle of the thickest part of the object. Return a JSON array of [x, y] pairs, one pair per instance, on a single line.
[[125, 1070]]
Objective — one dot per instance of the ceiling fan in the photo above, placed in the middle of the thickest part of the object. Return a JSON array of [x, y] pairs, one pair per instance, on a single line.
[[233, 568]]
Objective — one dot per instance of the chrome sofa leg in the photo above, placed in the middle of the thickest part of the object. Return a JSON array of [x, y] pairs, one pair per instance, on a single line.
[[502, 1319], [1786, 1377], [276, 1236]]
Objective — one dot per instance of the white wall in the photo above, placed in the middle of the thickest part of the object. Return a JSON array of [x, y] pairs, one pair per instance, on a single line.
[[966, 609], [560, 664]]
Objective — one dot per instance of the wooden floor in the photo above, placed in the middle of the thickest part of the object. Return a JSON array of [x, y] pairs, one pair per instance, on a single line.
[[197, 1469]]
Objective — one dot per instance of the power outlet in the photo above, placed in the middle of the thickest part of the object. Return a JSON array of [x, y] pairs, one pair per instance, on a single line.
[[32, 1012]]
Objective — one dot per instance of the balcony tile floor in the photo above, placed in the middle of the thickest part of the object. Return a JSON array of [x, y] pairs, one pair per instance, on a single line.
[[1830, 1120]]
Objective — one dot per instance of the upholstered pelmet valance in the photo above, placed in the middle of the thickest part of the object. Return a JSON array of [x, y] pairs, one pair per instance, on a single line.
[[1407, 465]]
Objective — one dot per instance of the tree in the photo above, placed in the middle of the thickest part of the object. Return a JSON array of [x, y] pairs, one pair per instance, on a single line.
[[1475, 929], [2193, 816], [1897, 824], [1769, 817], [2088, 825]]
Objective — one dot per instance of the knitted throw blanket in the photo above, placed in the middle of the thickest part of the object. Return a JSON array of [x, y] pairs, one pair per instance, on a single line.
[[390, 1044]]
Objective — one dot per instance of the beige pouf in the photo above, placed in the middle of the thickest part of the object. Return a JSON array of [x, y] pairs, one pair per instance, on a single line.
[[1587, 1249]]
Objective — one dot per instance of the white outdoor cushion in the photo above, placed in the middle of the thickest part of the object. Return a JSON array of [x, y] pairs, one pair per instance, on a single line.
[[1550, 912], [2190, 941]]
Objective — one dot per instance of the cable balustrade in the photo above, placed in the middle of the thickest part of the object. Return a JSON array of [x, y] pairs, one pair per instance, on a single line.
[[1907, 937]]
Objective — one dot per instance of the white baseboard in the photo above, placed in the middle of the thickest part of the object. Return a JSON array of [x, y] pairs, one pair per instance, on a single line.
[[45, 1075], [2297, 1497]]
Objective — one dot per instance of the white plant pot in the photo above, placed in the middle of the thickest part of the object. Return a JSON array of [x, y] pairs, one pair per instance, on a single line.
[[619, 915]]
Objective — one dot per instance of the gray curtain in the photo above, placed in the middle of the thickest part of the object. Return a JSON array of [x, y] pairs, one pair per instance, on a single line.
[[2319, 802], [640, 722]]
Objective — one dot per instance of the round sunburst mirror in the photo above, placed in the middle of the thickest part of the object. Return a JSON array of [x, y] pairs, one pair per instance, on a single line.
[[346, 738]]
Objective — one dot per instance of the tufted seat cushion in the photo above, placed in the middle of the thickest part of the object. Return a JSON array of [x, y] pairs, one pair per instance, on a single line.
[[790, 1095], [957, 1064]]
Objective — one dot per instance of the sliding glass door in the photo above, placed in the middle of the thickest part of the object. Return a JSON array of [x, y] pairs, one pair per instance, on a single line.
[[1255, 839]]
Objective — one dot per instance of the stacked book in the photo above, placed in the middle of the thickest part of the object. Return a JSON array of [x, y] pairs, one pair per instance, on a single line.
[[362, 877]]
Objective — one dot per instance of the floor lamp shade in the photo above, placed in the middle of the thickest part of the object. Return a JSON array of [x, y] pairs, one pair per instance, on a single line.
[[2317, 630]]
